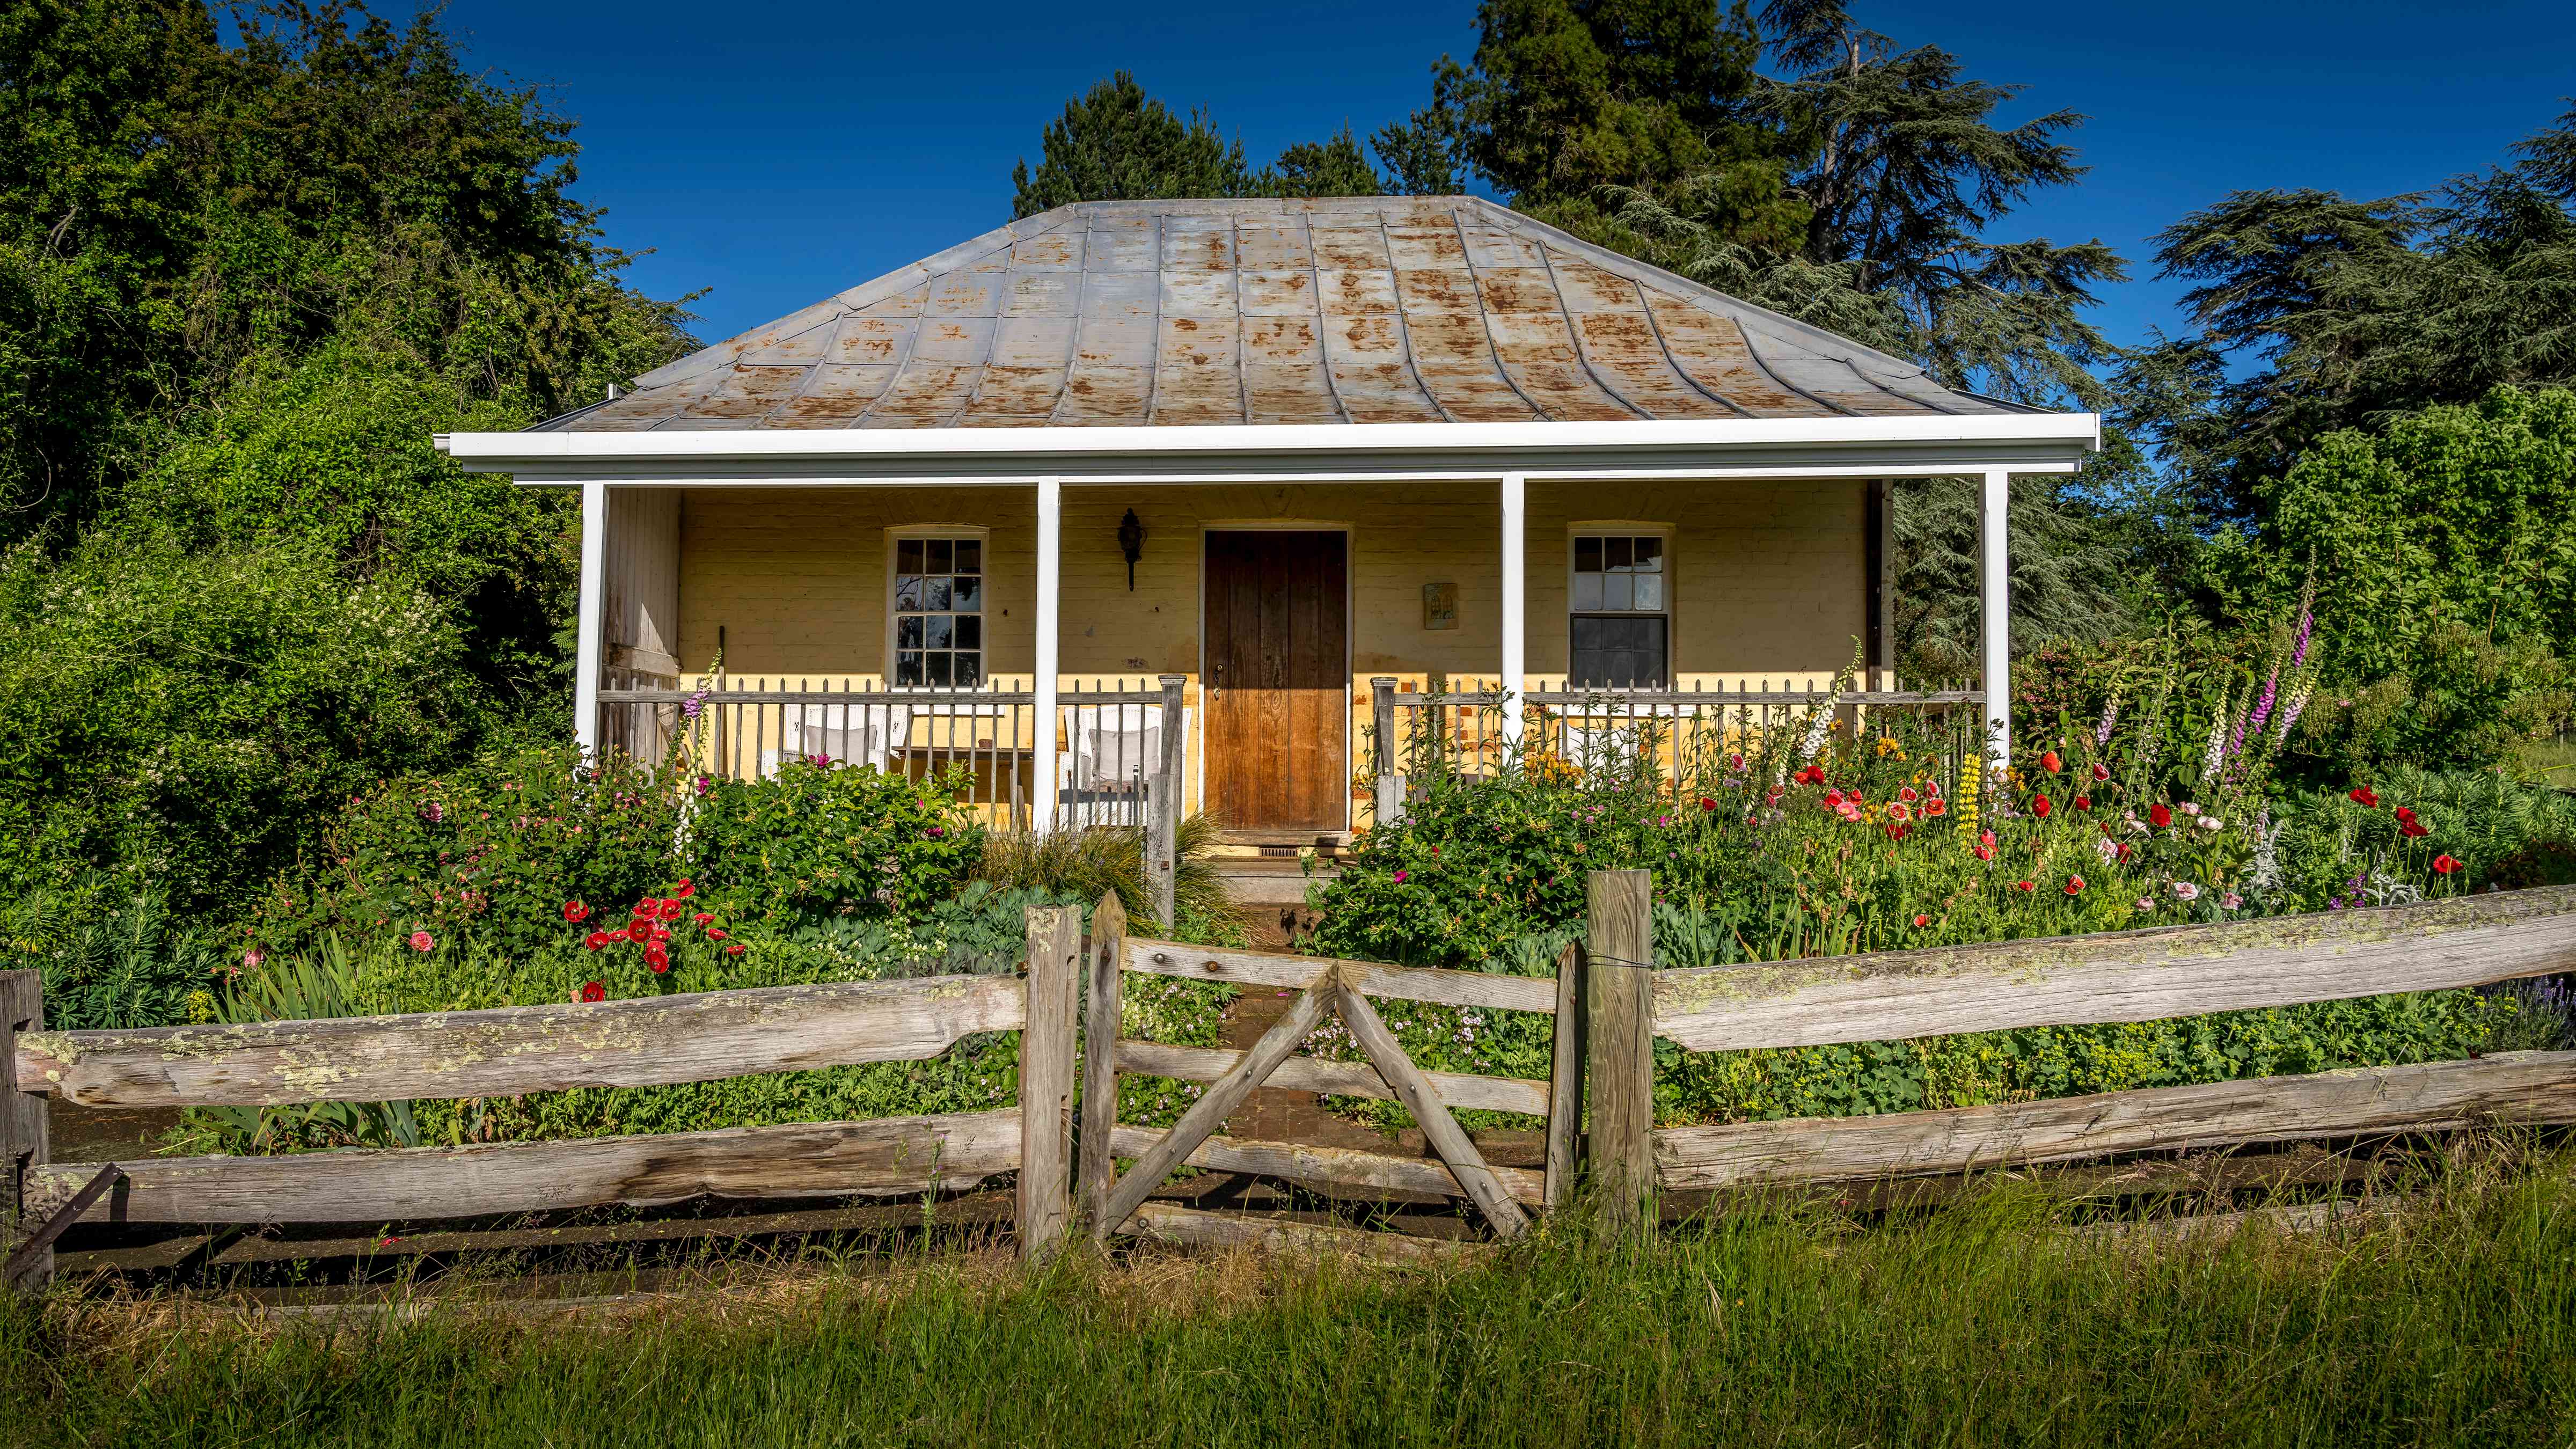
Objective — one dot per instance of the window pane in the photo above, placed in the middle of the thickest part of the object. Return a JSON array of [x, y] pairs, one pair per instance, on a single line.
[[907, 591], [1650, 591], [966, 595], [907, 631], [1615, 592], [939, 668], [1614, 555], [1587, 591], [970, 632], [970, 556], [1622, 652], [1650, 555], [907, 666], [970, 666], [940, 557], [1587, 555], [934, 592], [907, 556], [938, 633]]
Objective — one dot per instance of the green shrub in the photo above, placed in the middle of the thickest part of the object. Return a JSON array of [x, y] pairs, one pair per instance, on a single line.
[[492, 852], [820, 842], [111, 959]]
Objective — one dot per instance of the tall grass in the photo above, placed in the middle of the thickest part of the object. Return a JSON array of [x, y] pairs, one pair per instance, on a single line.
[[1092, 863], [2454, 1323]]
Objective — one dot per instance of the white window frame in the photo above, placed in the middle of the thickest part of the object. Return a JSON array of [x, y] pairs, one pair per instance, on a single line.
[[1664, 533], [894, 540]]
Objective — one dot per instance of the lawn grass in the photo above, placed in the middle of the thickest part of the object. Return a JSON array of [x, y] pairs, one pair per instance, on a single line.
[[2453, 1322]]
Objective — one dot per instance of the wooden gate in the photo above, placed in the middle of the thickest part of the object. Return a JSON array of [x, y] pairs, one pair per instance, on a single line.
[[1112, 1202]]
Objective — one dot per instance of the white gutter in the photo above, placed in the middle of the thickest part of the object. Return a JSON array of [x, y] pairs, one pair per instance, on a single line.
[[2032, 442]]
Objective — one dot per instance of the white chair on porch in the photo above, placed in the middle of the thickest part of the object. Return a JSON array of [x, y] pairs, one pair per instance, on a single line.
[[854, 733], [1109, 763]]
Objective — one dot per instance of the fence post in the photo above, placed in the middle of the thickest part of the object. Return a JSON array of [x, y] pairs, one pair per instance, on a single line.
[[1388, 805], [1565, 1084], [1163, 821], [1046, 1077], [1620, 1020], [1097, 1171], [22, 1122]]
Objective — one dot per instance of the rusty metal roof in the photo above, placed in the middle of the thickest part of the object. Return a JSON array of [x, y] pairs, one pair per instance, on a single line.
[[1340, 310]]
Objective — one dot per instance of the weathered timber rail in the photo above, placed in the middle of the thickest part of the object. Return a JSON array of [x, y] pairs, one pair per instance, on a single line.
[[2147, 975], [1597, 1104]]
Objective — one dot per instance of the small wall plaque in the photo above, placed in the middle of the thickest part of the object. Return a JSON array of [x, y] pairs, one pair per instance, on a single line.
[[1440, 606]]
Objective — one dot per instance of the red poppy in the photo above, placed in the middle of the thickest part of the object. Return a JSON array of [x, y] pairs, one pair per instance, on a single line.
[[658, 935], [1706, 803], [2405, 815], [1898, 831], [685, 889], [1921, 921], [621, 935], [1907, 795], [2075, 885], [1936, 807], [2160, 815], [2083, 802], [2124, 852], [2040, 807], [657, 958], [2024, 885], [2051, 763], [2101, 773], [1811, 775], [2444, 864], [597, 940], [2365, 797], [701, 918], [715, 933], [734, 950], [576, 911], [645, 908], [593, 991], [2413, 828], [670, 909]]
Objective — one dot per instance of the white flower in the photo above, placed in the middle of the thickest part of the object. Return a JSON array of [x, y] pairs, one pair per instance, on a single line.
[[2146, 903], [2188, 808], [2211, 822], [2231, 900], [2107, 848], [2186, 891]]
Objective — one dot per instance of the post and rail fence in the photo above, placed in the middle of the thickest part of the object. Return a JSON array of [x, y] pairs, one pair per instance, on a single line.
[[1608, 1002]]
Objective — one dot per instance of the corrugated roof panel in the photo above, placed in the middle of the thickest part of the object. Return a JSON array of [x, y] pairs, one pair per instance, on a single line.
[[1711, 349], [1625, 353], [1455, 360], [1284, 378], [1369, 309], [1538, 353], [1197, 377]]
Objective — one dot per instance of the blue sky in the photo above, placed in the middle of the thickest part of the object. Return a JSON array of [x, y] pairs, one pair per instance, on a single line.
[[776, 154]]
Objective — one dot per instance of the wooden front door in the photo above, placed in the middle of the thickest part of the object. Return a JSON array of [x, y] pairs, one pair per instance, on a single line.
[[1277, 676]]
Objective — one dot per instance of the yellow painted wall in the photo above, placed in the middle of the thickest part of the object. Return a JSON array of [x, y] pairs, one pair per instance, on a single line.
[[1768, 579]]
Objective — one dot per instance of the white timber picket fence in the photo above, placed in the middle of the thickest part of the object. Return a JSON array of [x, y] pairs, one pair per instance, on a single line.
[[1608, 1004]]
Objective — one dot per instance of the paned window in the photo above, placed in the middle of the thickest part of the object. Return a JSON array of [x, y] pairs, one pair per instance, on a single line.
[[1620, 614], [938, 611]]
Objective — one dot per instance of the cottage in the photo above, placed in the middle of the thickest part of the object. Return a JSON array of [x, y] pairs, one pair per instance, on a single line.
[[1200, 485]]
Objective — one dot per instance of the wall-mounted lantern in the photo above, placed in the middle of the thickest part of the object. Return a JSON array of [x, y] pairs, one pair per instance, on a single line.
[[1131, 542]]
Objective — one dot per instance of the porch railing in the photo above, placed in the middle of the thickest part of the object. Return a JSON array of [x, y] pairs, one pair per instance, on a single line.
[[1667, 732], [1119, 744]]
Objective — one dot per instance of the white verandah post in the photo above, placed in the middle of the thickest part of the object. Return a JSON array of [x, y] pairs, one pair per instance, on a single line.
[[1995, 622], [590, 627], [1515, 603], [1043, 685]]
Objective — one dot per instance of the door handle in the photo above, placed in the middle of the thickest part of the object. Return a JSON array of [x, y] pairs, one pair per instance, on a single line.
[[1218, 687]]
